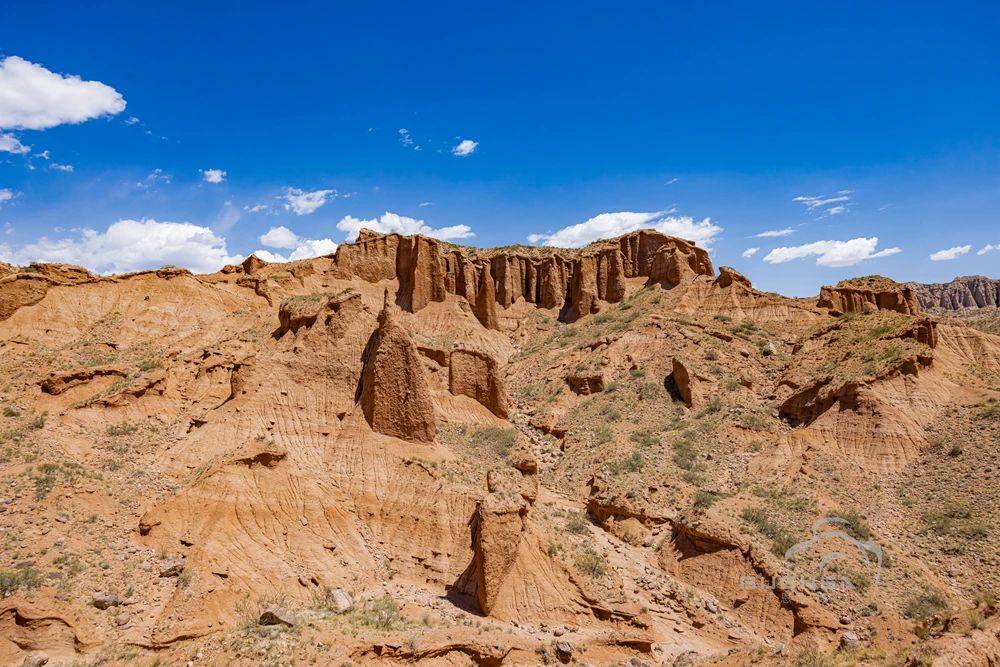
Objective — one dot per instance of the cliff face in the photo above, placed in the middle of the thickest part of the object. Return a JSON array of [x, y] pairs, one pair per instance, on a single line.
[[868, 294], [575, 281], [962, 292]]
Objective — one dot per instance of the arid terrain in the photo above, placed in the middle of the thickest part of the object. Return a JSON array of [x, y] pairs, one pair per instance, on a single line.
[[412, 451]]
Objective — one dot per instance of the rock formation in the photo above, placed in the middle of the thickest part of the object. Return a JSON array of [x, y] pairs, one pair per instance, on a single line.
[[576, 281], [729, 276], [394, 394], [961, 293], [476, 375], [868, 294]]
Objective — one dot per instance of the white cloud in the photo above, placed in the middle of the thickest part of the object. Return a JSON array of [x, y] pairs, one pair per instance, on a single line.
[[6, 195], [989, 247], [832, 253], [282, 237], [61, 167], [607, 225], [301, 202], [213, 175], [465, 147], [133, 245], [33, 98], [257, 208], [279, 237], [672, 181], [749, 252], [950, 253], [154, 177], [425, 204], [772, 233], [392, 222], [407, 140], [829, 205], [131, 120], [11, 144]]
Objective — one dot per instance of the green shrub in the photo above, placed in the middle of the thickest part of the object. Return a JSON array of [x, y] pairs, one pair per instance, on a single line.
[[923, 605], [781, 539], [381, 613], [578, 523], [591, 563]]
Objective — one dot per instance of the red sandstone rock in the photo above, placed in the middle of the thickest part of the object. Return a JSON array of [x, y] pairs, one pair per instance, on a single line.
[[475, 374], [868, 294], [395, 396]]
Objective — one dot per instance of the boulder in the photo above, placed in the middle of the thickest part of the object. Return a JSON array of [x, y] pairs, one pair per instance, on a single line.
[[339, 600], [394, 394], [277, 616], [729, 276], [105, 600], [171, 567], [586, 382], [685, 381], [476, 374], [35, 659]]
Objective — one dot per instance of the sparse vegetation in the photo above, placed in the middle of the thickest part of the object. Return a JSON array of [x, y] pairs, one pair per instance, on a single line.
[[591, 563], [499, 440], [781, 539]]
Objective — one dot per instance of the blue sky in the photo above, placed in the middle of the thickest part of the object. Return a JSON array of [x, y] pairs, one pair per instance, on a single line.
[[835, 125]]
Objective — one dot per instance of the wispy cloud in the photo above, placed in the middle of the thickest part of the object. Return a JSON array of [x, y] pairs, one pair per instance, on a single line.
[[774, 233], [950, 253], [11, 144], [6, 195], [832, 253], [61, 167], [154, 177], [465, 147], [407, 140], [749, 252], [257, 208], [302, 202], [989, 247], [826, 205]]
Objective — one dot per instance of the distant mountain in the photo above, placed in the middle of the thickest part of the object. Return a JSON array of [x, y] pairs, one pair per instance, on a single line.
[[964, 292]]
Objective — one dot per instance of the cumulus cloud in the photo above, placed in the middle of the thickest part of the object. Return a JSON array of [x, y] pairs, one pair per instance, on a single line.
[[133, 245], [950, 253], [33, 98], [772, 233], [465, 147], [607, 225], [301, 202], [393, 222], [832, 253], [213, 175], [11, 144], [989, 247], [6, 195], [279, 237], [302, 248], [750, 252]]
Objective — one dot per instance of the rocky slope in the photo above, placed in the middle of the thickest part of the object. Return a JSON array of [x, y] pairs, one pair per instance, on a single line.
[[412, 451], [961, 293]]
